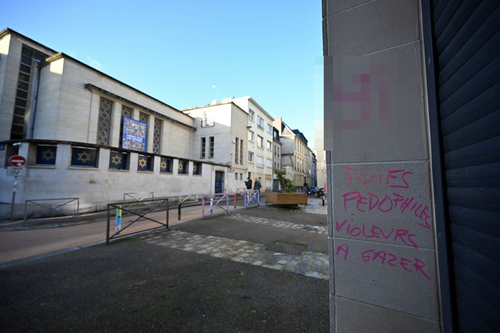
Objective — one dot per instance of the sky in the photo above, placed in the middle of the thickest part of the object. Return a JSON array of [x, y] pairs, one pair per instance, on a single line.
[[177, 50]]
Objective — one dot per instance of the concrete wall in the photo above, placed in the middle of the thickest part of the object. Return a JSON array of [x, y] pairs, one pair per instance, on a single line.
[[381, 223], [97, 186]]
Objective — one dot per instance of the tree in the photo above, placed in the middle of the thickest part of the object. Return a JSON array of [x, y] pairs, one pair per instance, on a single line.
[[287, 184]]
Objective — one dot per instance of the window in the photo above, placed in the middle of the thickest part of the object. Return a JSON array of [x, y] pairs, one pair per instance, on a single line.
[[166, 165], [26, 71], [250, 157], [269, 145], [250, 136], [157, 136], [212, 144], [260, 141], [118, 160], [182, 169], [250, 175], [196, 168], [235, 176], [260, 122], [236, 151], [241, 176], [241, 152], [260, 161], [278, 151], [144, 163], [46, 155], [269, 128], [104, 121], [269, 163], [126, 112], [203, 145], [251, 115], [84, 157]]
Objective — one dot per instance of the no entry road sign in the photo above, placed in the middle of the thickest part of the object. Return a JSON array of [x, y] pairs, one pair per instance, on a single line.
[[17, 161]]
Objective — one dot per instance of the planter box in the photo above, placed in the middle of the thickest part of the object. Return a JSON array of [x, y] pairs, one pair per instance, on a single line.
[[286, 198]]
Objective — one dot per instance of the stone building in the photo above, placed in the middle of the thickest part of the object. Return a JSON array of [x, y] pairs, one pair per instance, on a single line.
[[222, 138], [87, 135], [296, 155], [411, 132], [260, 141], [277, 149]]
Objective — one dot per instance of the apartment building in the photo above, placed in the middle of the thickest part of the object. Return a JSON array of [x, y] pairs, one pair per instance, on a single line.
[[260, 141], [296, 156], [221, 138], [277, 149]]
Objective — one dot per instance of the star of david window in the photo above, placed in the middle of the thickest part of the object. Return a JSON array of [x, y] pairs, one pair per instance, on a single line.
[[46, 155], [166, 165], [183, 167], [196, 168], [104, 121], [84, 157], [118, 160], [145, 163]]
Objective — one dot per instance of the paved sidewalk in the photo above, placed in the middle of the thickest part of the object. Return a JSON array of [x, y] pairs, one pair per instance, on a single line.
[[206, 275]]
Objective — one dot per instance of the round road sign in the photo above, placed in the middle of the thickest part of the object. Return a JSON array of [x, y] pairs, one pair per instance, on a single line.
[[17, 161]]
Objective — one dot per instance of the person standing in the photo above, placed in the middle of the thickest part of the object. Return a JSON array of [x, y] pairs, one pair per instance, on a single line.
[[257, 186], [248, 183]]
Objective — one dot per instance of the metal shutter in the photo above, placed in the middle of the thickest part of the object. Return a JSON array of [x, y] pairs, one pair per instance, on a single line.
[[466, 43]]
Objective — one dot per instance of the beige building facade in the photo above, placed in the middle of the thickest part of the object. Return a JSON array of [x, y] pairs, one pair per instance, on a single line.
[[221, 138], [67, 119], [296, 156], [260, 141]]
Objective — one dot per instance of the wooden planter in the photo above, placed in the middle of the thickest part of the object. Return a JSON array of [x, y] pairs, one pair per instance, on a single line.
[[286, 198]]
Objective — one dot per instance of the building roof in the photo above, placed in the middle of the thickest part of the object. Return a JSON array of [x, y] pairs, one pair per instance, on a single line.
[[59, 55], [211, 105]]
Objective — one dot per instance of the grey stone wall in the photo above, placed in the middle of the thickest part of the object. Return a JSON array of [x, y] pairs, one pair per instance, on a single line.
[[381, 222]]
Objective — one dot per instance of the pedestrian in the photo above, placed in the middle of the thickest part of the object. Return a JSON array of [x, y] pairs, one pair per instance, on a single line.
[[248, 183], [257, 185]]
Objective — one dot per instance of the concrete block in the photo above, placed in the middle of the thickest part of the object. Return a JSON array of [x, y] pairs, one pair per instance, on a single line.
[[401, 134], [391, 276], [355, 316], [384, 203], [374, 26]]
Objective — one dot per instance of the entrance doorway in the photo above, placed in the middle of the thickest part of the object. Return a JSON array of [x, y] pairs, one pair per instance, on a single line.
[[219, 181]]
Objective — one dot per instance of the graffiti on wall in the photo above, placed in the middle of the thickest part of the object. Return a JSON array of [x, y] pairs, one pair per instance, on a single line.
[[412, 208]]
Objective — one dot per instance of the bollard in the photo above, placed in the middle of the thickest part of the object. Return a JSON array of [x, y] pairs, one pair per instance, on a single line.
[[235, 201], [323, 199], [179, 213]]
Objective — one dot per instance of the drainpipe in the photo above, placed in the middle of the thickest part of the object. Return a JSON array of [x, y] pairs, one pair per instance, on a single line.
[[35, 99]]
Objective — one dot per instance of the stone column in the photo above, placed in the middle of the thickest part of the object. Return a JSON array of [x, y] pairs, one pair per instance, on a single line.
[[383, 274]]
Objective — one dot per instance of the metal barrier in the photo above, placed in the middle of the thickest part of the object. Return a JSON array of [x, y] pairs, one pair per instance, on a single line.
[[241, 191], [211, 198], [50, 208], [154, 204], [189, 198], [251, 196], [137, 197]]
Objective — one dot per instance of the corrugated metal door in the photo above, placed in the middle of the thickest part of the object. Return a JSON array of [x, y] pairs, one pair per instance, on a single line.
[[466, 42]]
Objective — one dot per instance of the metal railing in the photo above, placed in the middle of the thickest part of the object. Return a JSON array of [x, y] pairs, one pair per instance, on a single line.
[[138, 198], [50, 209], [251, 198], [155, 205], [189, 197], [241, 191], [211, 199]]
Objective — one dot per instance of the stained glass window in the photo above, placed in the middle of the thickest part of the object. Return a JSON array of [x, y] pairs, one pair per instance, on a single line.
[[104, 121]]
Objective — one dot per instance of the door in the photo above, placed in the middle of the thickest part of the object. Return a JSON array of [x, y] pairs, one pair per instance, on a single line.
[[219, 181], [464, 107]]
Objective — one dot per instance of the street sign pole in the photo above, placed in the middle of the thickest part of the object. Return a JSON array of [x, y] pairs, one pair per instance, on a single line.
[[16, 161], [13, 199]]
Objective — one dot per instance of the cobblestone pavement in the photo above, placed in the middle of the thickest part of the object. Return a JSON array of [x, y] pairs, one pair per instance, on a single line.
[[309, 263], [279, 224]]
